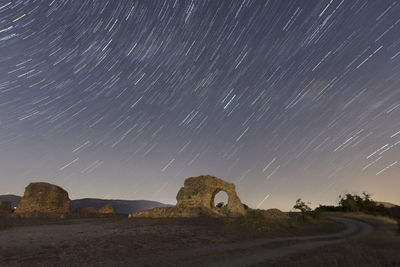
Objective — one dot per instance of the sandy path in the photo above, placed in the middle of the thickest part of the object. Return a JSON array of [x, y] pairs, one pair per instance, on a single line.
[[256, 251]]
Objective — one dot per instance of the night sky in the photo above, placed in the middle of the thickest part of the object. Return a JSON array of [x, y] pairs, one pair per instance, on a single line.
[[126, 99]]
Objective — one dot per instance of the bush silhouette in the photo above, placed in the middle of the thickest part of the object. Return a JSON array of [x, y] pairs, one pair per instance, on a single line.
[[220, 205], [305, 210], [364, 203]]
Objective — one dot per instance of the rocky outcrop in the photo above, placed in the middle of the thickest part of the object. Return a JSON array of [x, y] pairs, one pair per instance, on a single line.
[[5, 208], [44, 199], [107, 209], [196, 198]]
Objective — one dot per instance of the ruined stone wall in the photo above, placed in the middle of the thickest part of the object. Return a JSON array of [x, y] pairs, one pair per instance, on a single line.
[[44, 199], [196, 198]]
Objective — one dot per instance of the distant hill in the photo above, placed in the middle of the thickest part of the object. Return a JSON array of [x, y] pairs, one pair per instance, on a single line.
[[13, 198], [121, 206], [386, 204]]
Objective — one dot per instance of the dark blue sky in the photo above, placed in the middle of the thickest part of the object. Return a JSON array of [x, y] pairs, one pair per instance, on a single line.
[[126, 99]]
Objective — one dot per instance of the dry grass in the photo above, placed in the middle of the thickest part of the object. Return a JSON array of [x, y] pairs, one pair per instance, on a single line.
[[273, 223], [380, 249], [374, 220]]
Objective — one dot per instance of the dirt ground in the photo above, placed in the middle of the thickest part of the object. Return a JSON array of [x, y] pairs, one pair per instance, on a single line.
[[106, 241], [92, 242], [119, 241]]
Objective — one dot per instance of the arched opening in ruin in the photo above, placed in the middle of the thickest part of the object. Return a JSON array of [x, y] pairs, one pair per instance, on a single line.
[[220, 199]]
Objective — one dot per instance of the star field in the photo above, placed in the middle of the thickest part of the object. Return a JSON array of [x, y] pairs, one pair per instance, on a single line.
[[126, 99]]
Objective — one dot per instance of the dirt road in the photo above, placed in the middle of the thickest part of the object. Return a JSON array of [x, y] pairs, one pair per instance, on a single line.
[[255, 251]]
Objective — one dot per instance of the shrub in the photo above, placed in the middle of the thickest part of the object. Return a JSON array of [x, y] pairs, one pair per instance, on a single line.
[[364, 203], [306, 211], [301, 206], [220, 205], [349, 203], [324, 208]]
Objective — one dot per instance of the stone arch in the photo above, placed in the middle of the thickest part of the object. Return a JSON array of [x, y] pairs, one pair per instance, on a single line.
[[216, 192], [196, 198], [199, 192]]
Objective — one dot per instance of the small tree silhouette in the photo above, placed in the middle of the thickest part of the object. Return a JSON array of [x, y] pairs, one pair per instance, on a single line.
[[302, 207]]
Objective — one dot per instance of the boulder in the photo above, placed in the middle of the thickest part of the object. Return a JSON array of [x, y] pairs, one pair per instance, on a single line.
[[196, 198], [107, 209], [5, 208], [44, 199]]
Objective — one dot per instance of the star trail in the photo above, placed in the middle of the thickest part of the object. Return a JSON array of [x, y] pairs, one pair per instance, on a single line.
[[126, 99]]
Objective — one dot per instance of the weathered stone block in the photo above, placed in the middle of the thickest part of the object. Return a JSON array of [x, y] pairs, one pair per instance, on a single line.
[[44, 199]]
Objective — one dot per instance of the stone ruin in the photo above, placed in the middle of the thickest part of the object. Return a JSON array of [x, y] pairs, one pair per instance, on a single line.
[[196, 198], [44, 199], [86, 211], [5, 208], [108, 209]]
